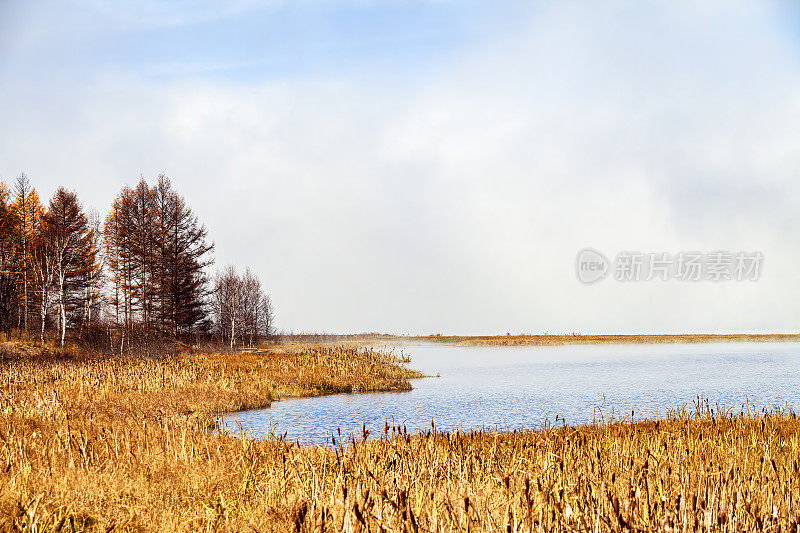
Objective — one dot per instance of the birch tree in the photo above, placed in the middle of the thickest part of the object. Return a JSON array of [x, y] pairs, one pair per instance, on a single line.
[[43, 265], [242, 310], [72, 251], [227, 295]]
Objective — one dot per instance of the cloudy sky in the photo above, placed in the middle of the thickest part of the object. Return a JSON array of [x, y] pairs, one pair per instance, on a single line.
[[435, 166]]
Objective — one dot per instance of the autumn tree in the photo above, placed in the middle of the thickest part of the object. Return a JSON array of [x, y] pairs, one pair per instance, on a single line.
[[157, 252], [7, 263], [118, 252], [146, 264], [73, 253], [26, 210], [43, 266]]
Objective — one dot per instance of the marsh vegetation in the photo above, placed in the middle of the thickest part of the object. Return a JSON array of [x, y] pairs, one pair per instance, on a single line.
[[95, 444]]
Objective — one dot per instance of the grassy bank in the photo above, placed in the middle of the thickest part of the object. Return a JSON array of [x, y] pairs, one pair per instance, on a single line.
[[200, 385], [101, 445]]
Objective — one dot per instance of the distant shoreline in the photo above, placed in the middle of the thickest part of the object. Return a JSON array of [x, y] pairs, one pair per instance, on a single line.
[[546, 340], [550, 340]]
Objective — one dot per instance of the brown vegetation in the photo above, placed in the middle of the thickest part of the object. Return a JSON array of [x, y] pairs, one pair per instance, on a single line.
[[96, 444], [200, 385]]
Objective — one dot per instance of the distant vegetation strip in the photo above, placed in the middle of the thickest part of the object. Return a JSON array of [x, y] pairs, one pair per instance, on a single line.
[[520, 340], [544, 340]]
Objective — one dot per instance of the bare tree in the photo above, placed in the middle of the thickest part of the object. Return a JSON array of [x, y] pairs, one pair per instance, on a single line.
[[266, 318], [251, 302], [241, 308], [227, 299]]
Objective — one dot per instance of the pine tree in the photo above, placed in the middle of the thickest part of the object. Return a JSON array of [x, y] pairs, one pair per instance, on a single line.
[[157, 253], [184, 256], [142, 216]]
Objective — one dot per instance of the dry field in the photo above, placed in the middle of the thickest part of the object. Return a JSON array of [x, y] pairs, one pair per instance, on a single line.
[[102, 445]]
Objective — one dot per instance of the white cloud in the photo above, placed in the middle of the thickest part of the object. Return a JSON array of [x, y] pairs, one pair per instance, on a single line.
[[459, 203]]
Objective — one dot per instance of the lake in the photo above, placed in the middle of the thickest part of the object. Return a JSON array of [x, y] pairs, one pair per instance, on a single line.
[[521, 387]]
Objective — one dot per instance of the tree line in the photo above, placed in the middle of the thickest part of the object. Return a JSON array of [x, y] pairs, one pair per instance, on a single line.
[[135, 278]]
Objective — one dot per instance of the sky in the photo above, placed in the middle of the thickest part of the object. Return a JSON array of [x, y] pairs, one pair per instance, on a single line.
[[435, 166]]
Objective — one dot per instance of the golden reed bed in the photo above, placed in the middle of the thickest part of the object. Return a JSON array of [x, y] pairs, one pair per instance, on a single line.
[[102, 445]]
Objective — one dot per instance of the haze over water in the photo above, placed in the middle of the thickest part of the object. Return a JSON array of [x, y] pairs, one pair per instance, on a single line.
[[520, 387]]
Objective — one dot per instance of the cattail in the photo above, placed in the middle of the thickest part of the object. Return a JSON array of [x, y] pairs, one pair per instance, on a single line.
[[358, 514], [300, 516]]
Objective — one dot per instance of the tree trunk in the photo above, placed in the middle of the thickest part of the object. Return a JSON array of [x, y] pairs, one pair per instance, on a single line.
[[25, 285], [43, 312], [45, 293], [233, 328], [61, 310]]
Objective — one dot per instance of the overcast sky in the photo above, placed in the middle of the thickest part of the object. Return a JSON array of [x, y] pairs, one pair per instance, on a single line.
[[435, 166]]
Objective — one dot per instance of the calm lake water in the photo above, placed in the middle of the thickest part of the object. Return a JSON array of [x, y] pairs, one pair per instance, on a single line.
[[520, 387]]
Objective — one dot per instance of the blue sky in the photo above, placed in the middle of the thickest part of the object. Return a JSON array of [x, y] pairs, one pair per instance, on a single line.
[[249, 43], [434, 166]]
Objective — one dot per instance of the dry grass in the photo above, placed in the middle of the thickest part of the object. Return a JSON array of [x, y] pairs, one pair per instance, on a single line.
[[201, 385], [98, 445]]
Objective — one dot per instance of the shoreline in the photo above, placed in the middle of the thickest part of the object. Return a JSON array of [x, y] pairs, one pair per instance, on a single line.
[[557, 340], [375, 339]]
